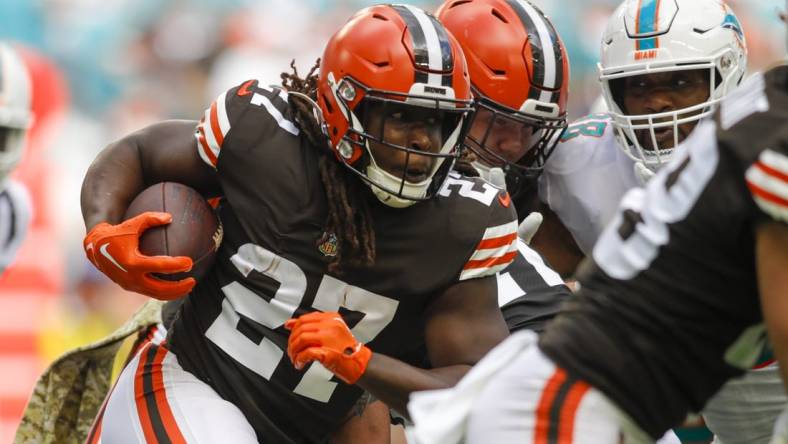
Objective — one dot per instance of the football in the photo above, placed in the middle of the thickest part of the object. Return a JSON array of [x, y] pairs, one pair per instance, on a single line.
[[195, 230]]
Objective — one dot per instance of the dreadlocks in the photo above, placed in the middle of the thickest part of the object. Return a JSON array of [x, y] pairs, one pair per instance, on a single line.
[[348, 217]]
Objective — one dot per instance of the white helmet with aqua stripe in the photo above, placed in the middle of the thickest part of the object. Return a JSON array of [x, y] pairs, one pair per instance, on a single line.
[[657, 36]]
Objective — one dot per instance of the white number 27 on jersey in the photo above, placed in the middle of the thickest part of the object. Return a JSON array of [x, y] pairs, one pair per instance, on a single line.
[[264, 357]]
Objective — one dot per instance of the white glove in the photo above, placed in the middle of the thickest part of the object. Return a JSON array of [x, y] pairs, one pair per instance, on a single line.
[[529, 226], [642, 173], [497, 177]]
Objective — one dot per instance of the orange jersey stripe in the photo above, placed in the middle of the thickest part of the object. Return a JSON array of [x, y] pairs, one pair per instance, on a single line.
[[491, 262], [656, 23], [772, 172], [569, 409], [549, 393], [217, 131], [766, 195], [95, 431], [139, 399], [637, 25], [497, 242], [205, 148], [167, 418]]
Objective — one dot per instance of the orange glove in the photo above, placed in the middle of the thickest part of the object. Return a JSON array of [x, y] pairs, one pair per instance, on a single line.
[[325, 337], [114, 249]]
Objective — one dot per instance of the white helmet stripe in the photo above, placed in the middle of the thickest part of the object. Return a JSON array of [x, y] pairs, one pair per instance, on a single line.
[[548, 51], [434, 50], [431, 46], [548, 70]]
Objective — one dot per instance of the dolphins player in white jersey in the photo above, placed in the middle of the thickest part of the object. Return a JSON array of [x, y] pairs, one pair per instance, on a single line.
[[15, 119], [663, 67], [658, 82]]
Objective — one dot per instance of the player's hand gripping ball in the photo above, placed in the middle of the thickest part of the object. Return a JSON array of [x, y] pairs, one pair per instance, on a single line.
[[168, 240]]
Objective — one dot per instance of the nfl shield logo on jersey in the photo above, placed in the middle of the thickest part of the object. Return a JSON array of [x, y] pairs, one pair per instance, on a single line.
[[328, 244]]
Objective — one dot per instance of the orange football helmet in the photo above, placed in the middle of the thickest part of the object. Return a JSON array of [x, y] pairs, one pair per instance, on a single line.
[[519, 75], [393, 55]]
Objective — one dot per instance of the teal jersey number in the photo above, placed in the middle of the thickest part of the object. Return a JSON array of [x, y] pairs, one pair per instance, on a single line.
[[587, 126]]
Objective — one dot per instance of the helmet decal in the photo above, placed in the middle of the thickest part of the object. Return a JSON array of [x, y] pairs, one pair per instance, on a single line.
[[731, 22]]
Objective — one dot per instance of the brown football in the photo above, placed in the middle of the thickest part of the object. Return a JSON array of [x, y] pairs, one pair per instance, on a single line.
[[195, 230]]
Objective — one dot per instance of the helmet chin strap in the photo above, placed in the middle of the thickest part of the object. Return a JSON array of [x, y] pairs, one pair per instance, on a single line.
[[381, 180], [388, 180]]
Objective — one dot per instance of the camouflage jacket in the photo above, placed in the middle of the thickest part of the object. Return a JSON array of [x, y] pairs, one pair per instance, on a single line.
[[70, 392]]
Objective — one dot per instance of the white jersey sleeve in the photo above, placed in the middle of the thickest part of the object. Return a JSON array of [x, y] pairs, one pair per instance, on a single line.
[[15, 216], [585, 178]]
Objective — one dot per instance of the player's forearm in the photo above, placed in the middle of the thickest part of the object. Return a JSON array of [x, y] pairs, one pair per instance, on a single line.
[[111, 182], [392, 381], [556, 244], [772, 261], [165, 151]]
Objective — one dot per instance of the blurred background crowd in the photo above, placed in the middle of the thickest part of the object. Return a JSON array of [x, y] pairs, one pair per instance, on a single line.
[[103, 68]]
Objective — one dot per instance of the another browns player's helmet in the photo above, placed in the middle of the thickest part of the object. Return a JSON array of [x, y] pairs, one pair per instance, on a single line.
[[391, 55], [519, 74], [653, 36], [15, 114]]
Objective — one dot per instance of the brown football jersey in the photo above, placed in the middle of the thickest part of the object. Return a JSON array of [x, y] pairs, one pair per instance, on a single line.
[[272, 266]]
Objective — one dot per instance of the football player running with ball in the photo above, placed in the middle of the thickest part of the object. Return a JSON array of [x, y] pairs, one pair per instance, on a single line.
[[520, 109], [330, 278]]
